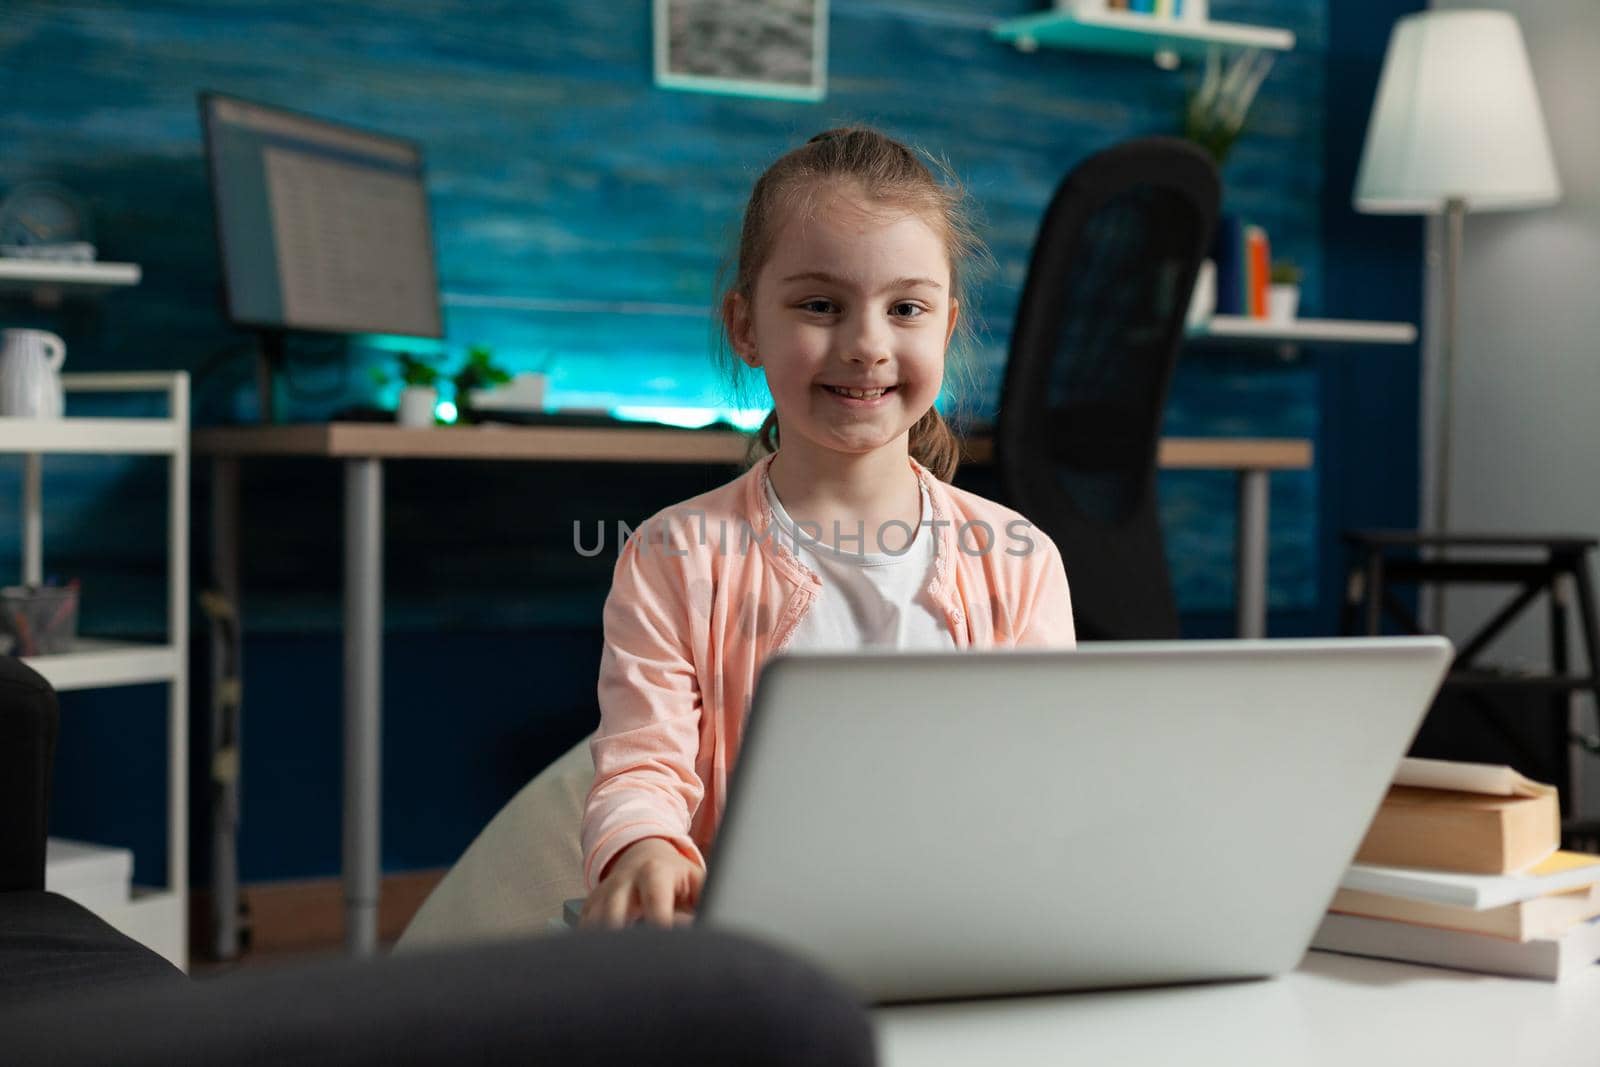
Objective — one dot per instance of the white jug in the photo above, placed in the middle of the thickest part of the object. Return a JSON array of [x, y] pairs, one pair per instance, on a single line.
[[30, 374]]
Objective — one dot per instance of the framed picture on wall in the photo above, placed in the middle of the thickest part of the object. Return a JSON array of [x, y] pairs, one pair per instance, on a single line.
[[770, 48]]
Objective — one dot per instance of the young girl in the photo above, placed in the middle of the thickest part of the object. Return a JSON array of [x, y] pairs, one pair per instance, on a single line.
[[847, 291]]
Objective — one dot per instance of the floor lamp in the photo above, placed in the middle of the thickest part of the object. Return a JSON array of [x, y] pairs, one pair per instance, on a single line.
[[1455, 127]]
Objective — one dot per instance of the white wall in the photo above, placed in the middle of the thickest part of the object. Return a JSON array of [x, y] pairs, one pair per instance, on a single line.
[[1526, 437]]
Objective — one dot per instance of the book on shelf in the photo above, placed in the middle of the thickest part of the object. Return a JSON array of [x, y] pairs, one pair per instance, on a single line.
[[1469, 817], [1189, 11], [1549, 958], [1523, 920], [1258, 252], [1228, 251], [1559, 873]]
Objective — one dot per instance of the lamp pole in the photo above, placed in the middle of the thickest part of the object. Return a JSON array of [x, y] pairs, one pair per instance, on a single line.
[[1455, 212]]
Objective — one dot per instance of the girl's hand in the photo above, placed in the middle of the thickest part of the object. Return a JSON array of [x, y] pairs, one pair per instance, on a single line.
[[650, 880]]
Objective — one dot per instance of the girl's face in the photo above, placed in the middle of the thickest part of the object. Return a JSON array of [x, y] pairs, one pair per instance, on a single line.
[[849, 320]]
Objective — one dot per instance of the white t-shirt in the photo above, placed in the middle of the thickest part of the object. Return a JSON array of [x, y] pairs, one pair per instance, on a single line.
[[873, 595]]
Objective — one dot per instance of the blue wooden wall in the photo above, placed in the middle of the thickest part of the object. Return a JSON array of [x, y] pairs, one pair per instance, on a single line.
[[581, 217], [582, 214]]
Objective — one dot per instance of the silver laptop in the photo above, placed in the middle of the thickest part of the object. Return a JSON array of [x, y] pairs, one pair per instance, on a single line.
[[932, 826]]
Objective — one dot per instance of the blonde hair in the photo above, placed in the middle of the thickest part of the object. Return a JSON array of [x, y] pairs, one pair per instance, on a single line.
[[888, 172]]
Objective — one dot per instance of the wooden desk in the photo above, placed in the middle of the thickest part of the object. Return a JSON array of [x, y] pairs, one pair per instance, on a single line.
[[1333, 1011], [575, 444], [363, 447]]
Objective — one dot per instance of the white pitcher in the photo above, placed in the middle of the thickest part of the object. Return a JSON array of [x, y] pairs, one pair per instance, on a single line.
[[30, 374]]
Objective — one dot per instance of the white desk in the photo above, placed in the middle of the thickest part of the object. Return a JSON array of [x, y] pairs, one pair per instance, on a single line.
[[364, 447], [1333, 1010]]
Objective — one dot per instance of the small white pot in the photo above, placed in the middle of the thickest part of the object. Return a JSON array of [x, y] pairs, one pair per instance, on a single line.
[[1283, 302], [416, 405]]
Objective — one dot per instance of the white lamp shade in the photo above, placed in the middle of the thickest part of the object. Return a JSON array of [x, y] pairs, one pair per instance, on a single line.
[[1456, 117]]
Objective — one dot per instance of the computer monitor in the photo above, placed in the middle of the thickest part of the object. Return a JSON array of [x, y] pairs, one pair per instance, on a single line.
[[321, 227]]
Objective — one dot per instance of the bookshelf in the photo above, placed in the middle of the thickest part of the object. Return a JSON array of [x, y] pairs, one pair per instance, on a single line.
[[156, 916]]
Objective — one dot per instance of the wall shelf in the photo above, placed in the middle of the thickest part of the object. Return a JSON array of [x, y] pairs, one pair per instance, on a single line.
[[91, 435], [1125, 33], [93, 664], [1321, 331], [40, 275]]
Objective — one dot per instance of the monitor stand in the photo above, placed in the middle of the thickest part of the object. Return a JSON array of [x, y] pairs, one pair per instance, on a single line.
[[269, 362]]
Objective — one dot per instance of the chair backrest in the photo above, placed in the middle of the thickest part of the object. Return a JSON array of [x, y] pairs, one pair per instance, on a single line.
[[1092, 354]]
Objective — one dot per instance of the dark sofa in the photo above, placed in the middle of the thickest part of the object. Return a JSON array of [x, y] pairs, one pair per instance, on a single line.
[[75, 991]]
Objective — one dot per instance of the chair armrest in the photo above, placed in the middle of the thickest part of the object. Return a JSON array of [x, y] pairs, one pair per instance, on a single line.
[[29, 719]]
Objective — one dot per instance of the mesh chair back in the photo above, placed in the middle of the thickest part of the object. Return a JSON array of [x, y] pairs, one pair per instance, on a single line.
[[1096, 338]]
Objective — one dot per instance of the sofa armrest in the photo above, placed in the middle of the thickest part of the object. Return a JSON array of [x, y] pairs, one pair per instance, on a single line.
[[29, 719], [708, 998]]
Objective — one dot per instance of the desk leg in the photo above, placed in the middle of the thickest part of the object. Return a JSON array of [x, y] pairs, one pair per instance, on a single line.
[[227, 691], [1251, 555], [363, 660]]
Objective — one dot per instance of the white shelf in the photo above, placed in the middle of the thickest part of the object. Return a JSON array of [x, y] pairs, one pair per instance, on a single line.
[[1323, 331], [1126, 33], [80, 435], [95, 664], [75, 277], [157, 919]]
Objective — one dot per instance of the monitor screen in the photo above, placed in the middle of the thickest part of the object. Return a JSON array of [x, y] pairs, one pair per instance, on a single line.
[[321, 226]]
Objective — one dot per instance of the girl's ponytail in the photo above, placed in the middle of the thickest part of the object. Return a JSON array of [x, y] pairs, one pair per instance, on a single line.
[[765, 441], [935, 446]]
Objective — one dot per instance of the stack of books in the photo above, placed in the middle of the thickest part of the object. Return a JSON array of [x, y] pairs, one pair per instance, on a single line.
[[1461, 868], [1243, 254], [1166, 9]]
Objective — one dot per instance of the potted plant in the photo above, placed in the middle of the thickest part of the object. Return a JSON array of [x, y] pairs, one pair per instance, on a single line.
[[478, 373], [1214, 113], [1283, 291], [419, 391]]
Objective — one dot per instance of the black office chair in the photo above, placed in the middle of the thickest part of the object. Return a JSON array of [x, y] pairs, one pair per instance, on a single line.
[[1092, 355]]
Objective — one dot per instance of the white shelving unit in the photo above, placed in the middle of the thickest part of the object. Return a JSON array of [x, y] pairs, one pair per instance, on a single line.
[[155, 916], [1124, 33]]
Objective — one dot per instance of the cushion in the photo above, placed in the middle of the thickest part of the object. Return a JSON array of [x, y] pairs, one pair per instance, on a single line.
[[515, 876]]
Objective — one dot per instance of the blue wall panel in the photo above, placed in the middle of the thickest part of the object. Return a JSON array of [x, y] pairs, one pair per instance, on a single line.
[[581, 217]]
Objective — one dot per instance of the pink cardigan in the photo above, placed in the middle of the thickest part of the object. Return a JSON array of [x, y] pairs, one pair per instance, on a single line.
[[703, 594]]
